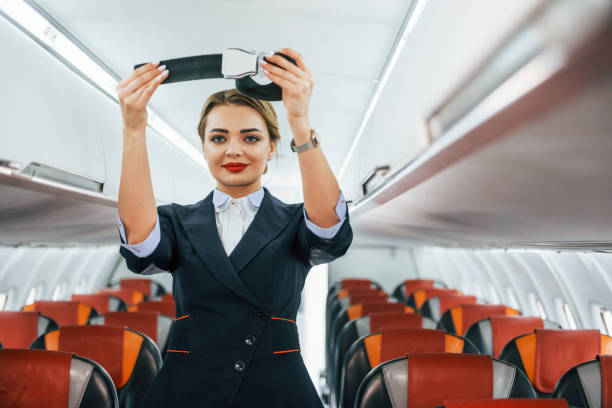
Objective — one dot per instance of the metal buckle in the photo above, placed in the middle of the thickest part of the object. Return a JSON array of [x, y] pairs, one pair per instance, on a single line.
[[238, 63]]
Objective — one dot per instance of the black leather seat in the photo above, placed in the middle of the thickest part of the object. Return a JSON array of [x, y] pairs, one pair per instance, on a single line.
[[131, 359], [390, 343], [459, 318], [544, 356], [492, 334], [588, 385], [430, 379], [157, 327], [20, 329], [50, 379]]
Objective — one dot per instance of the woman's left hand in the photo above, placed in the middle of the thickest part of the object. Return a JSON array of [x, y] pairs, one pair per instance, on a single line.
[[296, 82]]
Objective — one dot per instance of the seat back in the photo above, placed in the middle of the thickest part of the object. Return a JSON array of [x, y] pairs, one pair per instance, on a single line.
[[544, 356], [157, 327], [388, 344], [367, 325], [508, 403], [131, 358], [436, 306], [129, 296], [53, 379], [411, 380], [492, 334], [417, 298], [64, 312], [588, 384], [404, 289], [167, 296], [103, 303], [147, 286], [20, 329], [459, 318], [342, 300], [164, 307]]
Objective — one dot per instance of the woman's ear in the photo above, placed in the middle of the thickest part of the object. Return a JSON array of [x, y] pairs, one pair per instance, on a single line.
[[272, 149]]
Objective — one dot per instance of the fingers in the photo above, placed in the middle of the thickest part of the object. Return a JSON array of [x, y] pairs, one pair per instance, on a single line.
[[146, 93], [136, 73], [281, 72], [286, 65], [142, 82], [299, 58]]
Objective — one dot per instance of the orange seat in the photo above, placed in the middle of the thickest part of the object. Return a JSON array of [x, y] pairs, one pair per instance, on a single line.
[[20, 329], [544, 356], [403, 291], [508, 403], [436, 306], [459, 318], [163, 307], [588, 384], [417, 298], [64, 312], [103, 303], [147, 286], [131, 359], [129, 296], [53, 379]]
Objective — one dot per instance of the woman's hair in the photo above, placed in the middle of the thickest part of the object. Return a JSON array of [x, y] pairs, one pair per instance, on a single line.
[[234, 97]]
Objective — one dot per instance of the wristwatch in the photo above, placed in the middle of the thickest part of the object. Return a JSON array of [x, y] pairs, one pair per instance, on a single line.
[[314, 141]]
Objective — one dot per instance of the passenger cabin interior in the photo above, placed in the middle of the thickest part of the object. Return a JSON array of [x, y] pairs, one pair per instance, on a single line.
[[471, 139]]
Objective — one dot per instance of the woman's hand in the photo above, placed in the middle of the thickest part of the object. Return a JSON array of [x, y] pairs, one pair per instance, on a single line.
[[135, 91], [296, 82]]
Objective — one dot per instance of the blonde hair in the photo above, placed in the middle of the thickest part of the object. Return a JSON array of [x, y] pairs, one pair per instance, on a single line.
[[234, 97]]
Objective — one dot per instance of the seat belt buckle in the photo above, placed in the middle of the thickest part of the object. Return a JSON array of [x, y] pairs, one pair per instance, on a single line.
[[238, 63]]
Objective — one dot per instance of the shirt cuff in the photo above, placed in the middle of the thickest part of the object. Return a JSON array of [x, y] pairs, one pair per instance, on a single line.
[[330, 232], [144, 248]]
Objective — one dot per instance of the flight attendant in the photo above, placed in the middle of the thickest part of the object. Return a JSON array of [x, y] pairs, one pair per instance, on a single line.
[[240, 256]]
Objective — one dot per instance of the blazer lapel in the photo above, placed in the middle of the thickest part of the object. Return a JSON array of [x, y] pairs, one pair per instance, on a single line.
[[271, 218], [201, 229]]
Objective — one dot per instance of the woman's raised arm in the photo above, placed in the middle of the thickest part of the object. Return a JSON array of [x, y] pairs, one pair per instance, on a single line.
[[136, 202]]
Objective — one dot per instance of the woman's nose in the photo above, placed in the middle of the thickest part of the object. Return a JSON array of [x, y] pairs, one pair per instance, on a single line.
[[233, 148]]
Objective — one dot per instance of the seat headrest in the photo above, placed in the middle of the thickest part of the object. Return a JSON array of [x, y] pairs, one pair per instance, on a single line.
[[413, 285], [141, 285], [144, 322], [18, 329], [466, 315], [114, 348], [505, 328], [359, 291], [168, 296], [368, 298], [365, 309], [420, 296], [129, 296], [355, 283], [452, 376], [100, 302], [508, 403], [449, 301], [65, 313], [395, 319], [163, 307]]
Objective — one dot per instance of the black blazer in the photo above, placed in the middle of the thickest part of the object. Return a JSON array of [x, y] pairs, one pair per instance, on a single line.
[[235, 342]]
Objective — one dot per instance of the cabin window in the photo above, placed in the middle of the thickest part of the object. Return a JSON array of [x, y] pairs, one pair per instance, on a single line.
[[512, 301], [3, 300], [606, 319], [537, 305], [569, 317], [31, 295], [58, 291]]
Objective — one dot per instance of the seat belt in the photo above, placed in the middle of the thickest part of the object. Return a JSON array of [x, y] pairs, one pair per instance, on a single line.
[[232, 63]]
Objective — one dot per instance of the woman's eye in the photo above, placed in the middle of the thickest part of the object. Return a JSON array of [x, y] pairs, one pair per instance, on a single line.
[[252, 138], [216, 139]]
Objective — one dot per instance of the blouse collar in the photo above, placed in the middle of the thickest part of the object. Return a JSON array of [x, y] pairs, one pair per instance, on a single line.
[[222, 200]]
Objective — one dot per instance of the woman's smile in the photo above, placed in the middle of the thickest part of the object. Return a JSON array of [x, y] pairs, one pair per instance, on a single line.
[[235, 167]]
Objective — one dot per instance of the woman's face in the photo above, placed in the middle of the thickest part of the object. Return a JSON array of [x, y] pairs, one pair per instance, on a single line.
[[236, 146]]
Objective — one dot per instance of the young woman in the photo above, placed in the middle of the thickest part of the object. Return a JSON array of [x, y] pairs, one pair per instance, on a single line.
[[240, 256]]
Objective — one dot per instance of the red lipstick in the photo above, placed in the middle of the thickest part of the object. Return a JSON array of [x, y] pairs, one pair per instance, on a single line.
[[235, 167]]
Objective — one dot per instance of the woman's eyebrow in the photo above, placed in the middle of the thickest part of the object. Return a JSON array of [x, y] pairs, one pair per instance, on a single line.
[[227, 131]]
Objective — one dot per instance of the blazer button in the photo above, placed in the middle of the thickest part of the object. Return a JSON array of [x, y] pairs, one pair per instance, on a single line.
[[259, 314], [249, 340], [239, 365]]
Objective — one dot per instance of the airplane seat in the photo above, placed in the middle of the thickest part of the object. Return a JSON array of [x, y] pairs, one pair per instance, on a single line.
[[355, 311], [588, 385], [459, 318], [429, 379], [418, 297], [343, 298], [388, 344], [64, 312], [20, 329], [129, 296], [436, 306], [352, 283], [131, 359], [158, 327], [363, 326], [147, 286], [53, 379], [490, 335], [507, 403], [167, 296], [404, 289], [544, 356], [164, 307], [103, 303]]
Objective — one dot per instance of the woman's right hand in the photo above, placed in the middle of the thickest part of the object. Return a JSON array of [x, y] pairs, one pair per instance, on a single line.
[[135, 91]]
